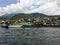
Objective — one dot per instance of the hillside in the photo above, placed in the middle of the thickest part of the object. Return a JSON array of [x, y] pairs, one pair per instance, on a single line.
[[32, 15], [6, 16], [22, 15]]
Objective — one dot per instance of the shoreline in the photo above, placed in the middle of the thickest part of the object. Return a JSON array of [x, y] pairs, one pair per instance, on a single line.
[[27, 26]]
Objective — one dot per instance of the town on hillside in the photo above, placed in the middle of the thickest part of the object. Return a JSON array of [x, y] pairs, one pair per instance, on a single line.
[[55, 20]]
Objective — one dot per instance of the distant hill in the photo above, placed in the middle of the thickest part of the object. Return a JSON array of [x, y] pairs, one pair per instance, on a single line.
[[22, 15], [6, 16], [32, 15]]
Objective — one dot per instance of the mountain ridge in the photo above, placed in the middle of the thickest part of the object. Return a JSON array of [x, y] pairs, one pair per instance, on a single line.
[[23, 15]]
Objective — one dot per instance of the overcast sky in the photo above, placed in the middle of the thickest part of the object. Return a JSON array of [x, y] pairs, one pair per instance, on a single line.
[[49, 7]]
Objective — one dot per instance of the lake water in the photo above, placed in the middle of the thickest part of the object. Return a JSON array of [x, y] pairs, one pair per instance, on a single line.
[[30, 36]]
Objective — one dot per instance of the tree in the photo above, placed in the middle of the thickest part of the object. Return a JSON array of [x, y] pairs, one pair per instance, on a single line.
[[59, 18]]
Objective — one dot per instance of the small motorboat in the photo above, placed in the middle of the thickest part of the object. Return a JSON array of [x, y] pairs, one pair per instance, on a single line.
[[4, 26]]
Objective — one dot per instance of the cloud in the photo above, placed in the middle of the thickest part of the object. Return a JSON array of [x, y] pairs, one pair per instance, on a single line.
[[49, 7]]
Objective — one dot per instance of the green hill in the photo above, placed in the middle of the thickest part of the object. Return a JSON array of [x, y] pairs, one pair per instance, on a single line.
[[22, 15]]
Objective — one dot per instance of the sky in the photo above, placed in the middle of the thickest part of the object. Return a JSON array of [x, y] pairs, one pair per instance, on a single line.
[[4, 3], [48, 7]]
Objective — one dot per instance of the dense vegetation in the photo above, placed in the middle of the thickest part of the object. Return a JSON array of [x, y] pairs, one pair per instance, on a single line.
[[22, 15], [59, 18], [26, 16]]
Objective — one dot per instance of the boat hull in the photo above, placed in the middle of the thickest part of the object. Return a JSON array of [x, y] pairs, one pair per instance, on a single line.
[[14, 26]]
